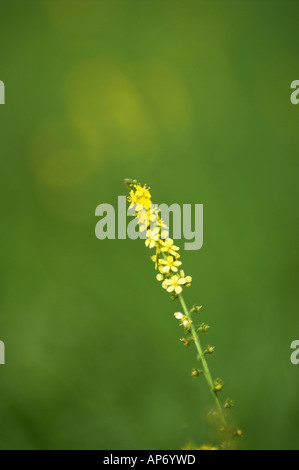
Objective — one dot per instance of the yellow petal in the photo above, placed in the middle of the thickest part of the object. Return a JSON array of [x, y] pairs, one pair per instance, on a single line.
[[165, 269]]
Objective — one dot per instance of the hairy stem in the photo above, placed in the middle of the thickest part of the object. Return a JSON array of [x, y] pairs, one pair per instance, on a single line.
[[207, 372]]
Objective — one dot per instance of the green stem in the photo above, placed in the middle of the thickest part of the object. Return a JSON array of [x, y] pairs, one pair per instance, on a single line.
[[207, 372]]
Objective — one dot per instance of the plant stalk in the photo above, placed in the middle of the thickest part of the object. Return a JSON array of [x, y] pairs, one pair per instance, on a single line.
[[207, 372]]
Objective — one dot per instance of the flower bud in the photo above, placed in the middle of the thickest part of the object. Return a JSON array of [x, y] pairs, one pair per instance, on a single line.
[[209, 350], [187, 323], [229, 404], [195, 308], [204, 328], [179, 316], [129, 182], [185, 341], [196, 372], [218, 385]]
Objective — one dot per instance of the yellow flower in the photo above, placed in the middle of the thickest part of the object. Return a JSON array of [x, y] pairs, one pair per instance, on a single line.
[[148, 218], [143, 191], [143, 219], [164, 234], [154, 259], [132, 198], [171, 264], [188, 279], [140, 196], [152, 238], [174, 284], [167, 245], [141, 203], [160, 277]]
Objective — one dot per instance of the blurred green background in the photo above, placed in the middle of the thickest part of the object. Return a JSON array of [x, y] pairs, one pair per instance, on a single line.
[[193, 98]]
